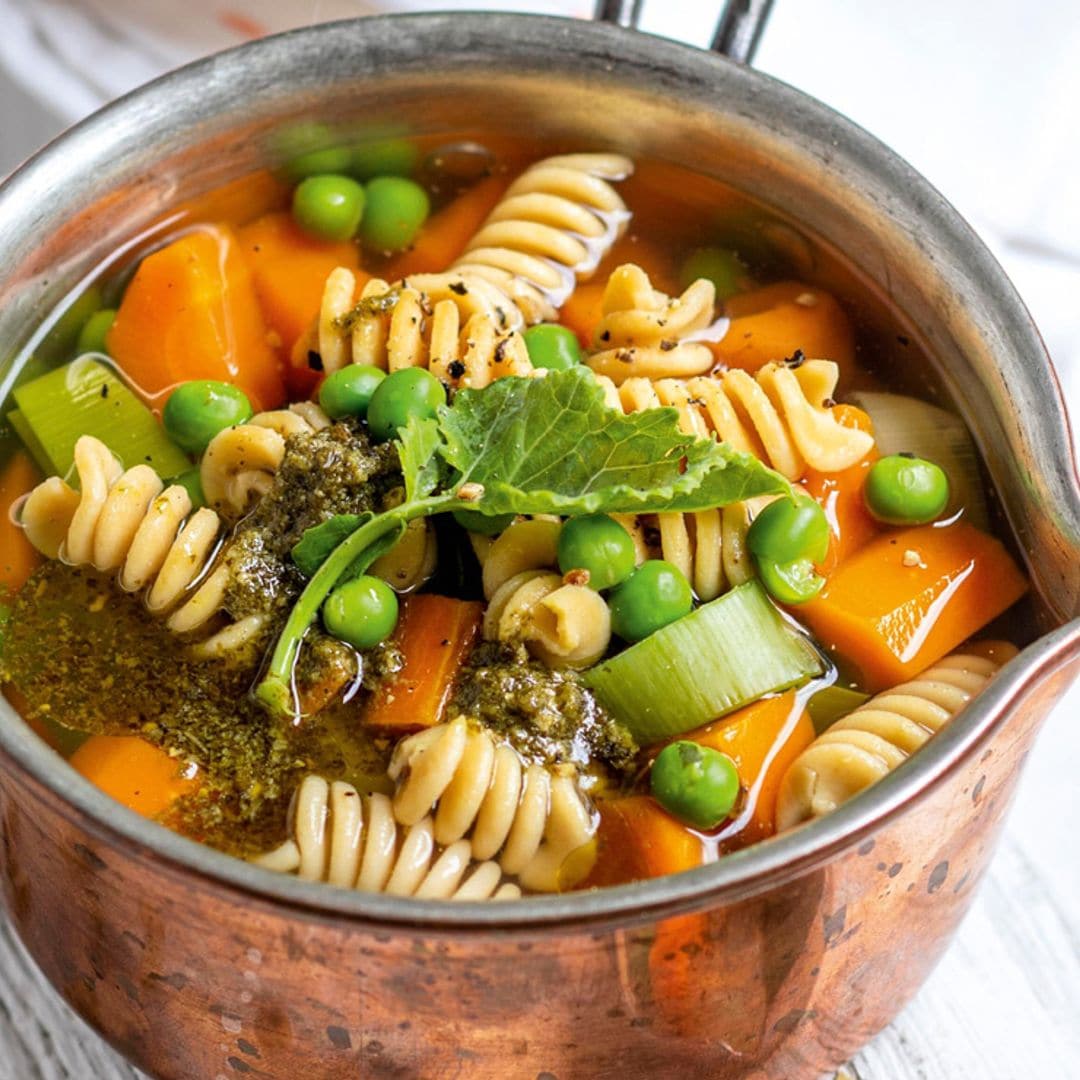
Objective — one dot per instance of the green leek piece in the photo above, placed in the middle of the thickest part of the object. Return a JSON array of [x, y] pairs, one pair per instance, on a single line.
[[87, 398], [718, 658], [830, 704]]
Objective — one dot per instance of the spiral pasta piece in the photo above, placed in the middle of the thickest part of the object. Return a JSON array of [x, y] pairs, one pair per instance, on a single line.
[[555, 223], [532, 818], [646, 334], [239, 464], [128, 521], [352, 841], [875, 738]]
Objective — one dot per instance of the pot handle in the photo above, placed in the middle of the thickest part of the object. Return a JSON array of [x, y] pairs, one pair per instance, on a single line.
[[737, 33]]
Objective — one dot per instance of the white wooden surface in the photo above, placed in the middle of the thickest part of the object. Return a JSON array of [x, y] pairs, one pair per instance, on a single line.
[[1005, 1002]]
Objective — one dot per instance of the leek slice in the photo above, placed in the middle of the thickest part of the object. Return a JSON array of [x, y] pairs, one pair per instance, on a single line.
[[87, 398], [718, 658], [907, 425], [831, 703]]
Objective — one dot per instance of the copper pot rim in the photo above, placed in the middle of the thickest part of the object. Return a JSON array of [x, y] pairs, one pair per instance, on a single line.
[[735, 877]]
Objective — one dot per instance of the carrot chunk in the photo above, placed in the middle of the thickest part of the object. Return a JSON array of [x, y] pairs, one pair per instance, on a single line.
[[435, 634], [909, 596], [17, 556], [191, 312], [289, 268], [134, 772], [771, 323]]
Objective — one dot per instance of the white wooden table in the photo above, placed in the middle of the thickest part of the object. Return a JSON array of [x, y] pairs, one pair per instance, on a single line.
[[1004, 1003]]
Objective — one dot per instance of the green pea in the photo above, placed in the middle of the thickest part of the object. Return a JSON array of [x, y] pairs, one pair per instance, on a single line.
[[552, 346], [95, 329], [348, 391], [790, 529], [695, 783], [396, 209], [655, 594], [386, 157], [191, 482], [792, 582], [310, 150], [902, 489], [329, 206], [721, 266], [484, 524], [196, 411], [362, 612], [412, 391], [598, 544]]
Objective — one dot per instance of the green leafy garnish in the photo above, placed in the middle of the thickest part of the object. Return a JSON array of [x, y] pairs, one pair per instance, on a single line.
[[526, 446], [316, 544]]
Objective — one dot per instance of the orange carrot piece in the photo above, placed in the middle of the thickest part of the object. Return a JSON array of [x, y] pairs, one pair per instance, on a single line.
[[771, 323], [841, 496], [435, 634], [762, 739], [583, 310], [191, 312], [447, 232], [909, 596], [134, 772], [636, 839], [289, 268], [17, 556]]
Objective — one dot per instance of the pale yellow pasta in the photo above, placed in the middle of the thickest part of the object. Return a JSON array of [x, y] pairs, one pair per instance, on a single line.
[[564, 625], [354, 842], [531, 818], [549, 231], [868, 743], [523, 545], [411, 561], [646, 334], [239, 464]]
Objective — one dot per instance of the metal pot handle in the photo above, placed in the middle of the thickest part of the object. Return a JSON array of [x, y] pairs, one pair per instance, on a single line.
[[737, 32]]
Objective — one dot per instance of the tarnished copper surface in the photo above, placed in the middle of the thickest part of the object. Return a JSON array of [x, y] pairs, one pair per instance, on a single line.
[[191, 979]]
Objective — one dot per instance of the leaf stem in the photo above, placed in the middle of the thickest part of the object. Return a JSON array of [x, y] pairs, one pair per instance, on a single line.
[[275, 691]]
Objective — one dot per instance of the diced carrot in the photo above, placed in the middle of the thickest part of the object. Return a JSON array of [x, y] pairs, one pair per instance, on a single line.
[[447, 232], [134, 772], [191, 312], [762, 739], [636, 839], [909, 596], [772, 322], [289, 268], [239, 200], [841, 496], [17, 556], [435, 634]]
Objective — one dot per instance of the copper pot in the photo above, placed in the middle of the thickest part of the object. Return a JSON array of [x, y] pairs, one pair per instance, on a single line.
[[778, 961]]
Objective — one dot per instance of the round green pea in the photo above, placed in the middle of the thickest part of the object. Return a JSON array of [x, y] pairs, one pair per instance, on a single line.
[[329, 206], [695, 783], [790, 529], [599, 544], [94, 331], [721, 266], [196, 411], [348, 391], [552, 346], [484, 524], [384, 157], [396, 209], [792, 582], [310, 149], [655, 594], [362, 612], [412, 391], [902, 489]]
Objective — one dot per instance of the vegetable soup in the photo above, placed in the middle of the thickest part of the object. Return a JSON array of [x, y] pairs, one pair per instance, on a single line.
[[480, 519]]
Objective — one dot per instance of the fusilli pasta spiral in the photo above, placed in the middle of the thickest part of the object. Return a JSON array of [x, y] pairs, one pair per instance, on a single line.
[[354, 842], [239, 463], [647, 334], [875, 738], [533, 819], [555, 223]]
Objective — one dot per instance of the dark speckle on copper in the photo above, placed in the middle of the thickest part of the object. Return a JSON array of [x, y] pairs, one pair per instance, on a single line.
[[882, 867], [834, 926], [895, 869], [96, 862], [339, 1038], [867, 846], [790, 1020], [938, 876], [976, 794], [404, 1025], [815, 971], [246, 1048], [962, 882], [239, 1064], [546, 1076]]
